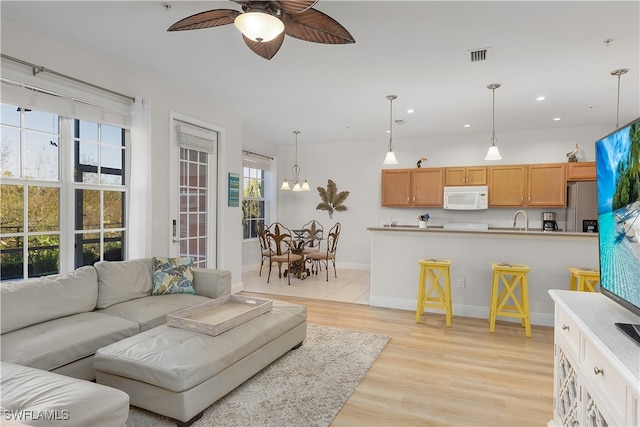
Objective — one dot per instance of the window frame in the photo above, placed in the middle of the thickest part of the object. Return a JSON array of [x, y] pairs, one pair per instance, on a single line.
[[67, 231], [262, 164]]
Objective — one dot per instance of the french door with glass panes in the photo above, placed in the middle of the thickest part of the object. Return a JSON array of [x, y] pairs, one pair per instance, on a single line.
[[194, 225]]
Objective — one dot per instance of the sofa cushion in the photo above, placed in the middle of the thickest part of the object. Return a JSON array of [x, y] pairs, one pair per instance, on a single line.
[[28, 393], [172, 276], [47, 298], [152, 311], [120, 281], [58, 342]]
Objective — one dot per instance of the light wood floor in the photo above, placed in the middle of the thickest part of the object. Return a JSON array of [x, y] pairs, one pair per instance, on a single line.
[[429, 374]]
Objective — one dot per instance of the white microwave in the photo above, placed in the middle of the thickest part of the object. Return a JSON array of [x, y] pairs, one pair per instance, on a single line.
[[466, 198]]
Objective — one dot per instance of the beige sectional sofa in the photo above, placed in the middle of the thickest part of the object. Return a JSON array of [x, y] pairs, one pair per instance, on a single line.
[[58, 323]]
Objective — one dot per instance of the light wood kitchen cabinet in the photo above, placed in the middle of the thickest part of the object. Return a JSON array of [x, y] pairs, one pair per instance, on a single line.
[[507, 185], [546, 185], [472, 175], [581, 171], [412, 187], [540, 185]]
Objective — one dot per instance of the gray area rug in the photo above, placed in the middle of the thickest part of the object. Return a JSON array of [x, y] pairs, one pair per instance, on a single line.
[[305, 387]]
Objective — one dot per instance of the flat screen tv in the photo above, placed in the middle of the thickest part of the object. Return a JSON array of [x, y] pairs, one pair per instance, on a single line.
[[618, 183]]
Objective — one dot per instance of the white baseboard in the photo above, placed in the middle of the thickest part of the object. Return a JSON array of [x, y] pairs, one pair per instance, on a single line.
[[237, 287], [540, 319]]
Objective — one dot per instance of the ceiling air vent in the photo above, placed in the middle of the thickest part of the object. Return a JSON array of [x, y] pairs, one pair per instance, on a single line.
[[479, 55]]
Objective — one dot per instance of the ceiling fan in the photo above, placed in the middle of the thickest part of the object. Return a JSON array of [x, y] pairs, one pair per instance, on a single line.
[[264, 24]]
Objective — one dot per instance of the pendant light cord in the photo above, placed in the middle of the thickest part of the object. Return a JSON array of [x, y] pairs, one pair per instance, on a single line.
[[391, 98], [618, 105], [493, 88], [619, 73], [296, 169], [493, 119]]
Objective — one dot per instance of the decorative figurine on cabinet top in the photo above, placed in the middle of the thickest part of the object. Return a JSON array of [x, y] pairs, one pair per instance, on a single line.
[[571, 155]]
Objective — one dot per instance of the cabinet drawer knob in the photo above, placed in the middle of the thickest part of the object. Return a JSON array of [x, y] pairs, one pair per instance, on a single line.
[[565, 327], [598, 371]]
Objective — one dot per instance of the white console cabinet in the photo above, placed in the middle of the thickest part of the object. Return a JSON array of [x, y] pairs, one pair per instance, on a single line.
[[596, 372]]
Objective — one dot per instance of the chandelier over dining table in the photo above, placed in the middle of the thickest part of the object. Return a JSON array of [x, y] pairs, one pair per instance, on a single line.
[[296, 174]]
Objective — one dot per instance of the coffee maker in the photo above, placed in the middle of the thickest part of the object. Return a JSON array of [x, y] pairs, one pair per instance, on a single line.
[[549, 221]]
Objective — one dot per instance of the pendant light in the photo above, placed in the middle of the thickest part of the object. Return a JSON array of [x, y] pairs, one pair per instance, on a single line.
[[493, 153], [296, 174], [390, 159], [619, 73]]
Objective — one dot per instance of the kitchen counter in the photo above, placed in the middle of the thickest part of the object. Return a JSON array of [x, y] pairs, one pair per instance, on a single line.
[[490, 230], [395, 252]]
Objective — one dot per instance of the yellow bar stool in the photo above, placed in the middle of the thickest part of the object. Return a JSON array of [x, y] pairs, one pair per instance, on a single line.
[[434, 287], [506, 300], [584, 279]]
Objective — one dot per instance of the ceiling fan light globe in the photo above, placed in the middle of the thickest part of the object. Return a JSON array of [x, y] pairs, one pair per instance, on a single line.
[[259, 26], [493, 154], [390, 159]]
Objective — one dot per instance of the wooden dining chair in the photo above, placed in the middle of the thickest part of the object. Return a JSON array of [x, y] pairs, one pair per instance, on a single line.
[[280, 244], [330, 254]]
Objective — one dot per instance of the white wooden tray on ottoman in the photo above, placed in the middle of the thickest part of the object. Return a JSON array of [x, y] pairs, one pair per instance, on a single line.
[[179, 373], [219, 315]]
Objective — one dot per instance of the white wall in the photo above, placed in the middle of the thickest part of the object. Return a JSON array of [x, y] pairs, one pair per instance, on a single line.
[[356, 166], [33, 46]]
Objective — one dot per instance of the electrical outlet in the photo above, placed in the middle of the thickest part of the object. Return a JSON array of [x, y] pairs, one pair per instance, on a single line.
[[461, 282]]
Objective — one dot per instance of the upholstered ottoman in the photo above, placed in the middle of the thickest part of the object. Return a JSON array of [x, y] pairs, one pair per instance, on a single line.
[[41, 398], [179, 373]]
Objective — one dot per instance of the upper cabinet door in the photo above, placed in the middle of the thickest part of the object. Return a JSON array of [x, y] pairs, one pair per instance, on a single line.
[[396, 187], [428, 187], [546, 186], [471, 175], [507, 185], [455, 176], [581, 171], [477, 175]]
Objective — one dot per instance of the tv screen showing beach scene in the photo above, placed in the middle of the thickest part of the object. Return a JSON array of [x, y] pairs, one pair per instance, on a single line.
[[618, 183]]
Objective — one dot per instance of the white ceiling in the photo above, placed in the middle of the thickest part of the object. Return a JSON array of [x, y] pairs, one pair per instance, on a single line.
[[417, 50]]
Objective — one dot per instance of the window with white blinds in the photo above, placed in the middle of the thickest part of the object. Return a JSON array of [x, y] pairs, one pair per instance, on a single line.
[[196, 138], [53, 94]]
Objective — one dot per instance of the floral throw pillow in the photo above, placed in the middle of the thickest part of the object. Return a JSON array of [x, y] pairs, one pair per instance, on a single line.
[[172, 276]]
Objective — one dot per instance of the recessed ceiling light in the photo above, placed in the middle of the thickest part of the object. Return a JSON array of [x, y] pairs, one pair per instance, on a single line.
[[540, 98], [556, 119], [467, 126], [410, 111]]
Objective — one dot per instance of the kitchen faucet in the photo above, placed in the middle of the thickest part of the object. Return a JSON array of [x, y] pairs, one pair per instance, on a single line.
[[526, 219]]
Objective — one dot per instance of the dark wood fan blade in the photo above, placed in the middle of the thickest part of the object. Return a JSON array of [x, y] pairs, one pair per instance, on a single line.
[[314, 26], [265, 49], [208, 19], [296, 6]]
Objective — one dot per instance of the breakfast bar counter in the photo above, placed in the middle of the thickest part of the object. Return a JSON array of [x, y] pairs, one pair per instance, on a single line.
[[395, 252]]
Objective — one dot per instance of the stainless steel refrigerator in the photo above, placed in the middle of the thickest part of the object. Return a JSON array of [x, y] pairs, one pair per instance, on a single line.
[[582, 207]]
